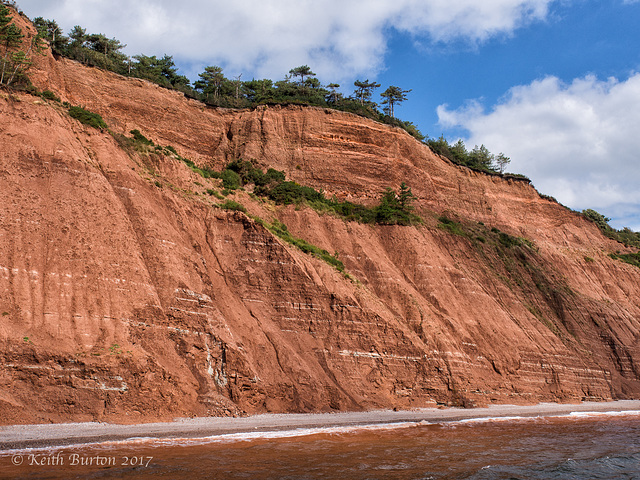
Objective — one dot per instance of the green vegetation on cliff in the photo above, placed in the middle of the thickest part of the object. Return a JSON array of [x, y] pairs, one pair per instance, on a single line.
[[15, 50], [300, 86], [394, 208], [479, 158], [625, 236]]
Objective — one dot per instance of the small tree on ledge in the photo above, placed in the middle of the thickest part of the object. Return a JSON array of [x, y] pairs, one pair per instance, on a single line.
[[392, 96]]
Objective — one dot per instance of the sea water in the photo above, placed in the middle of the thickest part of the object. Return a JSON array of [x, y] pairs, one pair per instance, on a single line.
[[579, 446]]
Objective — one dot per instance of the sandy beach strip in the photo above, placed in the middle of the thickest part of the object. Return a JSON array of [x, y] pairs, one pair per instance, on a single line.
[[51, 435]]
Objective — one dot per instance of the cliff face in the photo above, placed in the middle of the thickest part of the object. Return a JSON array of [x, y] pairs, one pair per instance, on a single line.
[[126, 295]]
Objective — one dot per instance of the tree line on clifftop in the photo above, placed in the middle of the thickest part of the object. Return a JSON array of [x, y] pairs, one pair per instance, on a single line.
[[300, 85]]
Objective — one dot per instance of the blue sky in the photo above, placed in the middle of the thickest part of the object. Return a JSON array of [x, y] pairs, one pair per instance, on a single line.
[[553, 84]]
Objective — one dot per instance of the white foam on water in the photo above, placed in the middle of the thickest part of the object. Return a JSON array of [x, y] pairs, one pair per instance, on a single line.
[[152, 442], [277, 434], [538, 418], [492, 419], [605, 414]]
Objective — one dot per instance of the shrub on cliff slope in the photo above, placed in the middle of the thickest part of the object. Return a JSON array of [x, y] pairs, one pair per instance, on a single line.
[[479, 158], [15, 55], [394, 208], [626, 235], [87, 117]]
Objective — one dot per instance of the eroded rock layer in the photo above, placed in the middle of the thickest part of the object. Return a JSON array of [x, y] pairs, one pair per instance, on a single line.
[[127, 295]]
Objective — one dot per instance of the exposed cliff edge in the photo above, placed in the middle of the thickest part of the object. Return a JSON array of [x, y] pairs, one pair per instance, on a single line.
[[127, 295]]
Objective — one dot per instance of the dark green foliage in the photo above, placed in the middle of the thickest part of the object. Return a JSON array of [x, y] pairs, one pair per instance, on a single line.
[[405, 198], [548, 197], [138, 137], [394, 208], [393, 96], [280, 229], [214, 193], [334, 96], [480, 158], [520, 176], [231, 205], [87, 117], [273, 175], [249, 173], [15, 56], [507, 240], [477, 159], [93, 49], [364, 91], [162, 71], [303, 71], [258, 91], [230, 179], [51, 31], [286, 193], [202, 171], [625, 236], [213, 87], [49, 95], [211, 82], [501, 162], [451, 226], [630, 258]]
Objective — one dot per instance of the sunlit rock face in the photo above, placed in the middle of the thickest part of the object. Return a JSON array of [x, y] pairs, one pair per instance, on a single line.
[[127, 295]]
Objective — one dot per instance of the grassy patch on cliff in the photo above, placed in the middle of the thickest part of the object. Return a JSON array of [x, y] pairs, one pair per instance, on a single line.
[[480, 234], [394, 208], [88, 118], [630, 258], [280, 230], [625, 236], [514, 261]]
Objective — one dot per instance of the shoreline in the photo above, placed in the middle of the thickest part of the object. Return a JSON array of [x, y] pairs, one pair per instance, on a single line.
[[19, 437]]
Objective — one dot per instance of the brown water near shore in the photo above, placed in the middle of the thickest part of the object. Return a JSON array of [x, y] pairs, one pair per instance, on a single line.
[[577, 446]]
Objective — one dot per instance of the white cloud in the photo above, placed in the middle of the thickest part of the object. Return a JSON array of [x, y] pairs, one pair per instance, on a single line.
[[578, 142], [268, 37]]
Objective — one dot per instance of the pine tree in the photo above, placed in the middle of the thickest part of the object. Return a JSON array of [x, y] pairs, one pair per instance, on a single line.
[[364, 90], [502, 161], [51, 31], [210, 81], [302, 71], [405, 198], [10, 38], [392, 96], [334, 94]]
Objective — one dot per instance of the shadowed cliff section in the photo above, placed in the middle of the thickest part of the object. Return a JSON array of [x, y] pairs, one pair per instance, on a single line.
[[127, 294]]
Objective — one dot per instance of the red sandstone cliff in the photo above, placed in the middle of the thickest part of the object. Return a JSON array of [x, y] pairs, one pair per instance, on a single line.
[[126, 295]]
